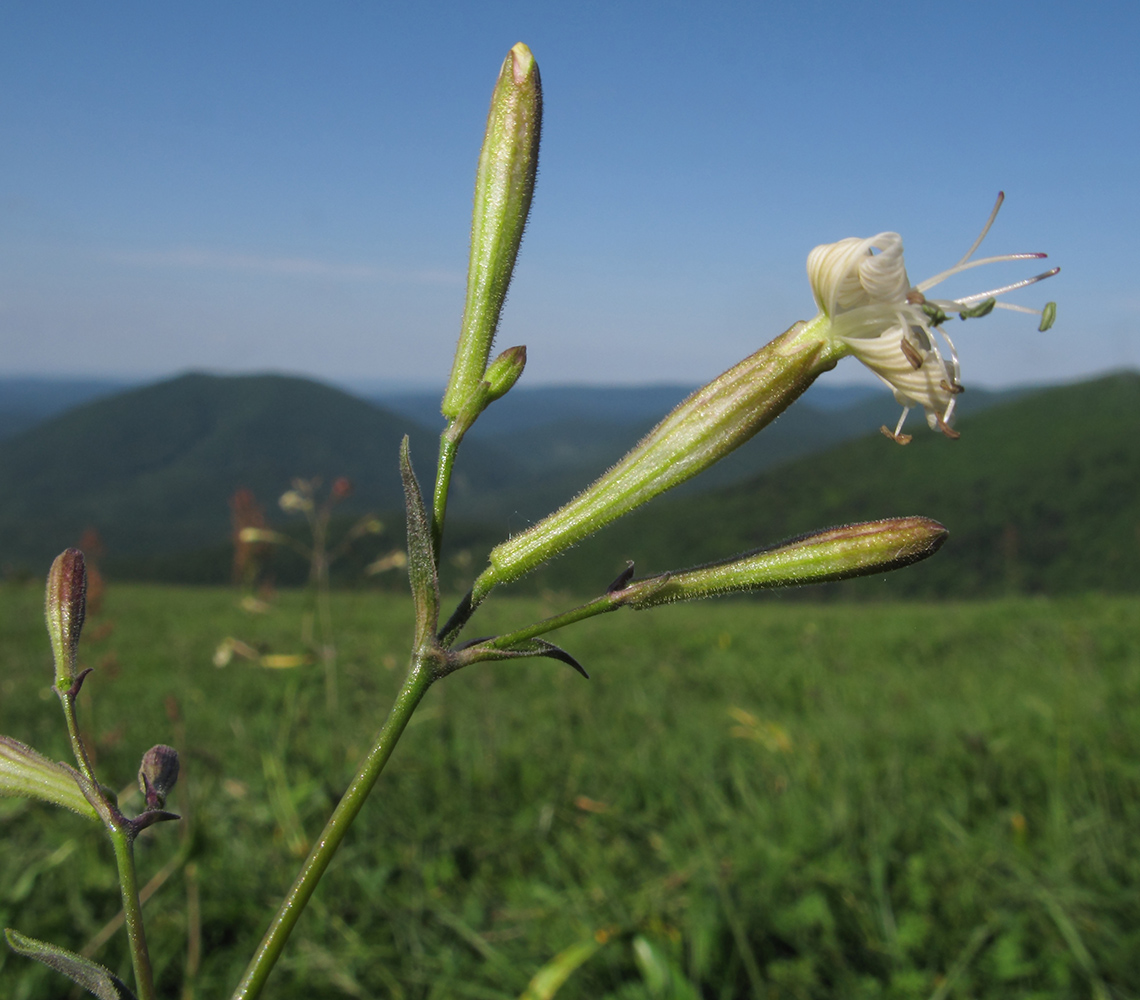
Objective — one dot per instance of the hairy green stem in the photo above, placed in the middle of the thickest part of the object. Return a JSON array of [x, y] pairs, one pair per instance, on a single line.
[[599, 606], [67, 700], [123, 842], [448, 450], [415, 686]]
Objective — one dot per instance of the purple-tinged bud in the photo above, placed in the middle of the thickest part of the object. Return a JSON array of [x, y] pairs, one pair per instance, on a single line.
[[158, 774], [65, 608]]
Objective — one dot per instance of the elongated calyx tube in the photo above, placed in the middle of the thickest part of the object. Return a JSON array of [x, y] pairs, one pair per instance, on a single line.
[[820, 557], [24, 773], [65, 607], [504, 186], [712, 422]]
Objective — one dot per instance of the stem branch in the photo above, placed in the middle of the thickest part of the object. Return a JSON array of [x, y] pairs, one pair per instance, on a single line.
[[415, 686], [448, 449], [123, 842]]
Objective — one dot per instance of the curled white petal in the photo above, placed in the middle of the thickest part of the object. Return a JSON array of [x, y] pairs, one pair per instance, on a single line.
[[850, 274], [862, 288]]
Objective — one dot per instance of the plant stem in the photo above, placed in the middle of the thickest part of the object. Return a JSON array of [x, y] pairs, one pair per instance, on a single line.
[[67, 700], [448, 449], [415, 686], [598, 606], [123, 842]]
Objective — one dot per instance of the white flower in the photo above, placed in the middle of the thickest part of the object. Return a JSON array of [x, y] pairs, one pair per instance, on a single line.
[[861, 287]]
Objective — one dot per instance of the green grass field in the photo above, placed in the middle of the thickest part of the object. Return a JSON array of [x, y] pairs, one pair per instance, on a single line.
[[787, 799]]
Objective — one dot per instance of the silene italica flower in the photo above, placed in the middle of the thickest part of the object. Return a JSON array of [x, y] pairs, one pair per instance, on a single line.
[[862, 289]]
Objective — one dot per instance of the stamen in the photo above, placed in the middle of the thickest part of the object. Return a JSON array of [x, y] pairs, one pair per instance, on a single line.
[[944, 427], [981, 262], [954, 369], [898, 436], [911, 354], [935, 312], [983, 308], [985, 229], [969, 299]]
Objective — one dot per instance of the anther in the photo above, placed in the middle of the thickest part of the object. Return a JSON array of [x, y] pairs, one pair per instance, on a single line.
[[911, 354], [946, 429]]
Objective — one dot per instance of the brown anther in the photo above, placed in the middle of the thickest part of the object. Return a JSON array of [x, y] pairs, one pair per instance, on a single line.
[[946, 429], [915, 298], [897, 438], [912, 356], [954, 389]]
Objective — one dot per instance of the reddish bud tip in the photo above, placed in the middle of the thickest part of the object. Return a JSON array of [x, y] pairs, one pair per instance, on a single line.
[[65, 607]]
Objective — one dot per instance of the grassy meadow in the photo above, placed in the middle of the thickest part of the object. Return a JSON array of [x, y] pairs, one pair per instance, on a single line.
[[786, 799]]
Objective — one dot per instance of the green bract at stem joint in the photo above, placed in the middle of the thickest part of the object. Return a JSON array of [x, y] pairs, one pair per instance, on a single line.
[[712, 422], [504, 186]]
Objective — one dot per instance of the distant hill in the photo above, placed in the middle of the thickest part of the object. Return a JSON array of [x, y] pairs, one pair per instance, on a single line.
[[1041, 494], [553, 440], [152, 469], [1038, 494], [25, 402]]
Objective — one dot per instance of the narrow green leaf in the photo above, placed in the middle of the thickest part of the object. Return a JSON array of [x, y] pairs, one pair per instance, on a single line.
[[90, 975], [549, 979], [421, 554], [663, 979]]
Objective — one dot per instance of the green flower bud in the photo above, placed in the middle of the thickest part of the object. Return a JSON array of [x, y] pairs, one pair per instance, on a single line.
[[708, 425], [504, 186], [65, 608], [24, 773], [504, 372], [822, 556]]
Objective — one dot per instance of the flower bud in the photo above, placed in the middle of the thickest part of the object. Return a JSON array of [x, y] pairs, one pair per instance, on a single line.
[[504, 372], [253, 536], [65, 608], [26, 774], [504, 186], [158, 774], [294, 501], [820, 557], [712, 422]]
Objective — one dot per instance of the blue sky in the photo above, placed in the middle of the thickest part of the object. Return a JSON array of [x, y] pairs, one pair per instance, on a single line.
[[287, 186]]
